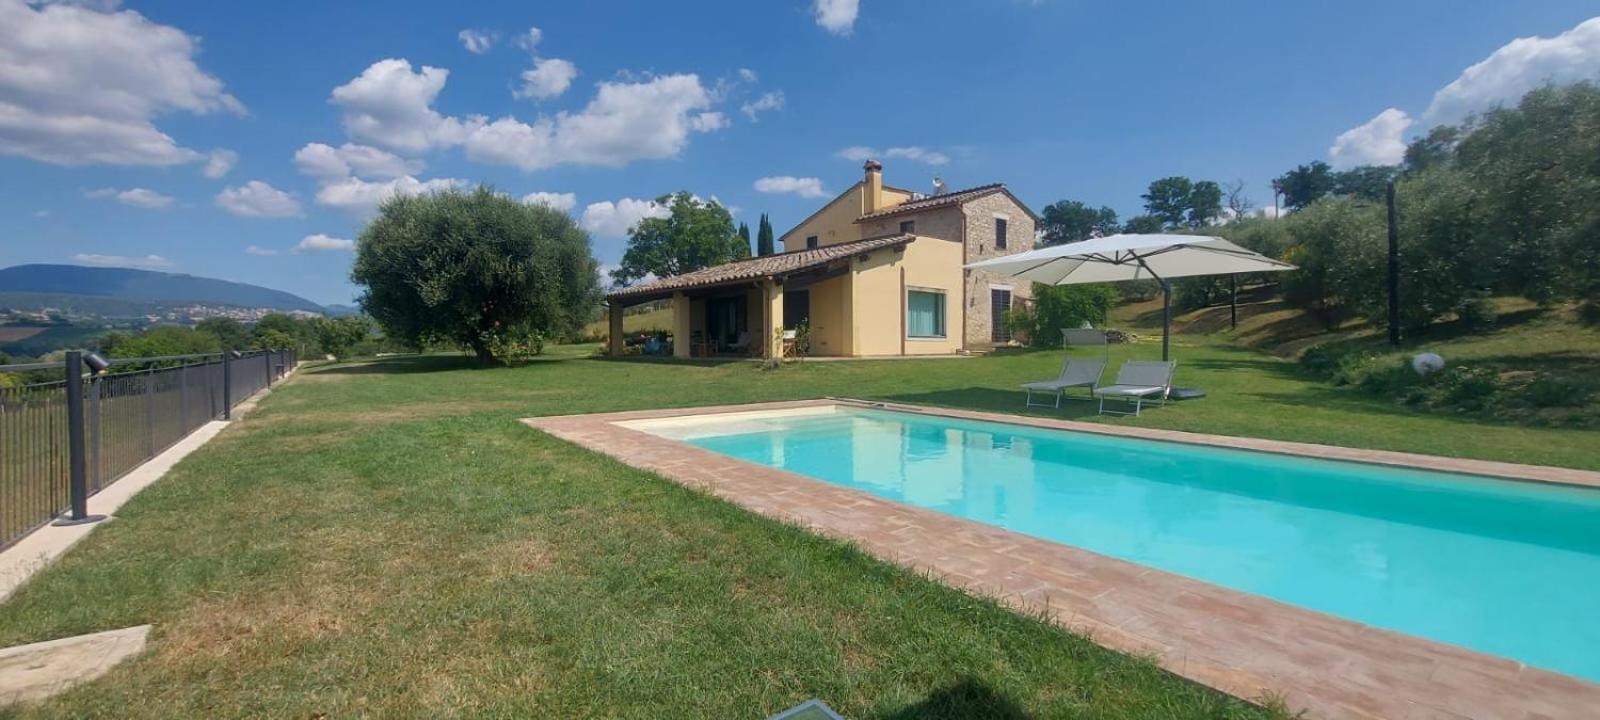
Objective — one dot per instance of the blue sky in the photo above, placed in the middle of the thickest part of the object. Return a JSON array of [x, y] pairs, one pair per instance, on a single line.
[[249, 141]]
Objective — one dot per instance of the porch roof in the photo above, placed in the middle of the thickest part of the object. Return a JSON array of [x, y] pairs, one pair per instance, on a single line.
[[768, 266]]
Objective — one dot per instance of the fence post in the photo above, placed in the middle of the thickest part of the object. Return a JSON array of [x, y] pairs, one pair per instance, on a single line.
[[94, 430], [78, 465], [183, 396], [227, 386], [266, 355], [150, 412]]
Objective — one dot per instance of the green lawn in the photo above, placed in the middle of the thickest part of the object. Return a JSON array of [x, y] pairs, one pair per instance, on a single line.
[[384, 539]]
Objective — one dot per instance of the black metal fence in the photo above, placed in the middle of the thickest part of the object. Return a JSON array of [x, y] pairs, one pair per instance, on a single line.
[[62, 440]]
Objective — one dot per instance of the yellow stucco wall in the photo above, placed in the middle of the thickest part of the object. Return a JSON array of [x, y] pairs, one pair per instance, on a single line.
[[836, 222], [828, 319], [878, 288]]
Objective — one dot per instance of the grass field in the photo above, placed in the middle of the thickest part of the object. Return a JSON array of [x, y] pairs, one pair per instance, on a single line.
[[384, 539]]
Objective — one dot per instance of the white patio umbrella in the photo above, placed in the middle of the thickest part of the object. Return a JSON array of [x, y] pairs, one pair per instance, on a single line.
[[1116, 258]]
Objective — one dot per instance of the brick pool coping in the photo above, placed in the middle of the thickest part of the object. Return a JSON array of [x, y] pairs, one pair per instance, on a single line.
[[1246, 645]]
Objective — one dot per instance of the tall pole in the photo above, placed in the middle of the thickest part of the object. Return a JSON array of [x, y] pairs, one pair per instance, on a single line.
[[1233, 302], [1166, 320], [78, 465], [1394, 269]]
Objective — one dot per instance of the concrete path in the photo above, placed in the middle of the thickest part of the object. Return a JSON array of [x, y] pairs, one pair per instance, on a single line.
[[40, 670]]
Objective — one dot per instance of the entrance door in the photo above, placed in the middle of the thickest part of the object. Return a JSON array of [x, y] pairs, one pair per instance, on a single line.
[[796, 308], [999, 305], [726, 318]]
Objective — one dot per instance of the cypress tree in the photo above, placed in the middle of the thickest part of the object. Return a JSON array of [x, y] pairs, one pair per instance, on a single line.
[[764, 237], [744, 239]]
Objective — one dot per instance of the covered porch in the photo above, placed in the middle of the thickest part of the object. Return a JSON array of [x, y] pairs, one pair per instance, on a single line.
[[768, 307]]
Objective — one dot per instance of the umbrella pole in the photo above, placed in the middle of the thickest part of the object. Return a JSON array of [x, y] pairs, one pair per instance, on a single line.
[[1166, 321]]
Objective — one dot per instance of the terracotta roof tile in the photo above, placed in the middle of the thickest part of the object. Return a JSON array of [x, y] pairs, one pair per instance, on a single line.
[[765, 266]]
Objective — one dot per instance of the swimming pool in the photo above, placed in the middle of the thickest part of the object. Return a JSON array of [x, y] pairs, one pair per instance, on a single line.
[[1503, 567]]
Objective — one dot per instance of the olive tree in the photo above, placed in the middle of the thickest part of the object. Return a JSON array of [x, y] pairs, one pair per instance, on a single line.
[[476, 269]]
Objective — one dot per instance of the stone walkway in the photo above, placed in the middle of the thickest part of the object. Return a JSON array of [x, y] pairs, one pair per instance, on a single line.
[[40, 670], [1242, 644]]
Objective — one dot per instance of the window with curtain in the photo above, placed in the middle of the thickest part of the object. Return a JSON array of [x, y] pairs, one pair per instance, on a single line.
[[924, 314]]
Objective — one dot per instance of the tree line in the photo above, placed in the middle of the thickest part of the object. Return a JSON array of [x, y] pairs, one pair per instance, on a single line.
[[1504, 203]]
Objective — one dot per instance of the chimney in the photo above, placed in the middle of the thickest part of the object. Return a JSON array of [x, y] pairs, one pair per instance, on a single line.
[[872, 190]]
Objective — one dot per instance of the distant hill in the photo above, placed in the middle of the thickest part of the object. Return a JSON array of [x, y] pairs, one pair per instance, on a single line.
[[336, 310], [137, 287]]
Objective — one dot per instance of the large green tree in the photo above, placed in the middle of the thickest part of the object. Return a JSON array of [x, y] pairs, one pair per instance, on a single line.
[[1305, 184], [764, 241], [1067, 221], [695, 234], [1367, 182], [1169, 199], [1143, 225], [1205, 204], [229, 332], [477, 269], [1433, 149], [338, 335]]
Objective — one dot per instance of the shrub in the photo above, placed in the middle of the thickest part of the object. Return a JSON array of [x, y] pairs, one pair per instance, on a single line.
[[1548, 392], [1339, 248], [1058, 307], [516, 347]]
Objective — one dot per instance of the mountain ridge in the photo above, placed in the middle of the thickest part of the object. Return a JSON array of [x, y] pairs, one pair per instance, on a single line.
[[148, 286]]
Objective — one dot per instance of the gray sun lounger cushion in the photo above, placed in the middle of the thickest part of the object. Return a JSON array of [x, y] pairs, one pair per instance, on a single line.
[[1138, 380], [1074, 373]]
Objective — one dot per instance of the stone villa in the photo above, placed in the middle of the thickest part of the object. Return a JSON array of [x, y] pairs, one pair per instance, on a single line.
[[877, 271]]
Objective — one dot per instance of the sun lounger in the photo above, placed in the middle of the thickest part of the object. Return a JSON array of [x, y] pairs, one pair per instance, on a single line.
[[1074, 373], [1138, 381]]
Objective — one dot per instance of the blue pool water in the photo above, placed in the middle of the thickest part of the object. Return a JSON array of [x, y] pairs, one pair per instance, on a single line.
[[1507, 568]]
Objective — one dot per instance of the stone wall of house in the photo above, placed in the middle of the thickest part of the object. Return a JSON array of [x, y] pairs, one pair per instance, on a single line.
[[944, 223], [979, 216]]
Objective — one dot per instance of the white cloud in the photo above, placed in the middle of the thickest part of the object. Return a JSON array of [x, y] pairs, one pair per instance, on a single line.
[[708, 121], [219, 162], [147, 262], [390, 105], [809, 187], [626, 121], [559, 201], [915, 153], [137, 197], [549, 78], [321, 243], [1517, 67], [748, 75], [259, 251], [530, 40], [81, 87], [614, 219], [836, 16], [259, 200], [918, 154], [858, 153], [476, 42], [1379, 141], [329, 163], [769, 101], [363, 197]]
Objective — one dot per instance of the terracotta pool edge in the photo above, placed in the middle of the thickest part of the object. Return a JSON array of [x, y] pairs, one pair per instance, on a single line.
[[1241, 644], [1417, 461]]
